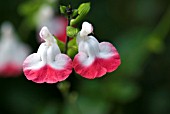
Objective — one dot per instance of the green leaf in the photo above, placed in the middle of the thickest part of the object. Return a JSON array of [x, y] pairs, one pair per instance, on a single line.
[[71, 52], [83, 10], [71, 31], [72, 42], [75, 13], [63, 9]]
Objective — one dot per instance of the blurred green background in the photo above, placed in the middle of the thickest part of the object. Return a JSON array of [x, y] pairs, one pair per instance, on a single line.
[[139, 29]]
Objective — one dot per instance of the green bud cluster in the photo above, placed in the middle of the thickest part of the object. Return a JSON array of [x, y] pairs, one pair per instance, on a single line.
[[74, 16]]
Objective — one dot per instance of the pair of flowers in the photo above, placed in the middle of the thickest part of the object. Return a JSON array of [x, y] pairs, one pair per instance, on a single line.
[[93, 60]]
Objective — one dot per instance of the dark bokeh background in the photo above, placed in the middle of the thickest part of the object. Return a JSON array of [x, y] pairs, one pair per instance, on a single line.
[[139, 29]]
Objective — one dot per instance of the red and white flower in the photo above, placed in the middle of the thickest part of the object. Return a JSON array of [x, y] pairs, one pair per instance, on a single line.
[[48, 64], [12, 52], [56, 24], [94, 59]]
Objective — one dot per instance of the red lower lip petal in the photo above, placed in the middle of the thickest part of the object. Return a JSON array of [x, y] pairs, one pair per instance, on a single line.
[[10, 70], [92, 71], [47, 74]]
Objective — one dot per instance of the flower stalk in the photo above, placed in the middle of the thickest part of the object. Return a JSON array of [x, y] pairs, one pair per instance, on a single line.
[[69, 12]]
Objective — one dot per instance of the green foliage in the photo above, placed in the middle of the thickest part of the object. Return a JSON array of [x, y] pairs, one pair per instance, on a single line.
[[63, 10], [75, 13], [71, 31], [83, 10], [72, 48]]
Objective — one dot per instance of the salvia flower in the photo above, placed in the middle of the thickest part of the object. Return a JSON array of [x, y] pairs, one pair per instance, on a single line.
[[48, 64], [94, 59], [56, 24], [12, 52]]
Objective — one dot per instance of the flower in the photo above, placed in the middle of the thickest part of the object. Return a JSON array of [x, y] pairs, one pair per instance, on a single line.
[[48, 64], [12, 52], [56, 24], [94, 59]]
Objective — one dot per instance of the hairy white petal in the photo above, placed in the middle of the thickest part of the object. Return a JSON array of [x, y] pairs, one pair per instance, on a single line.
[[87, 28], [86, 60], [106, 51], [89, 46], [60, 62], [47, 36], [33, 61], [52, 51]]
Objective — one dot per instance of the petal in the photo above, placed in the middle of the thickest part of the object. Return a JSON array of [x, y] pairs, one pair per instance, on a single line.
[[10, 69], [88, 67], [62, 66], [88, 45], [31, 64], [87, 28], [52, 51], [37, 71], [108, 56]]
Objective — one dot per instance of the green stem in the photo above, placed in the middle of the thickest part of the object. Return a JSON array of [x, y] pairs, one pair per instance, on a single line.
[[67, 39]]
